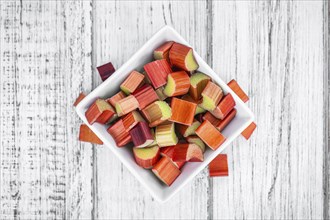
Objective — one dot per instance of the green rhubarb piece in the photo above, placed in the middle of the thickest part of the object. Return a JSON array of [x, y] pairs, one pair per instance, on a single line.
[[192, 128], [170, 86], [165, 135], [197, 78], [165, 110], [125, 90], [190, 61], [146, 153], [207, 103], [199, 110]]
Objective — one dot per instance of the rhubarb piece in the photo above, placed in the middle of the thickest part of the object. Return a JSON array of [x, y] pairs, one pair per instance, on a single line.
[[106, 70], [157, 72], [146, 157], [162, 52], [126, 105], [168, 152], [212, 94], [114, 99], [188, 152], [141, 135], [198, 82], [182, 56], [196, 140], [87, 135], [132, 82], [145, 95], [182, 111], [238, 90], [224, 122], [224, 107], [157, 112], [119, 133], [178, 83], [198, 108], [210, 135], [219, 166], [186, 130], [249, 130], [131, 119], [100, 111], [209, 117], [165, 135], [154, 143], [160, 93], [166, 171], [79, 99]]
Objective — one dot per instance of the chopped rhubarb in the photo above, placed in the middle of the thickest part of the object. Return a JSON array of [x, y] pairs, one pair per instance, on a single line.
[[162, 52], [224, 107], [168, 152], [160, 93], [198, 108], [212, 95], [106, 70], [224, 122], [132, 82], [131, 119], [182, 56], [145, 95], [100, 111], [178, 83], [126, 105], [114, 99], [79, 99], [219, 166], [249, 130], [210, 135], [157, 112], [87, 135], [119, 133], [198, 82], [186, 130], [188, 152], [196, 140], [238, 90], [182, 111], [209, 117], [157, 72], [141, 135], [166, 171], [165, 135], [146, 157]]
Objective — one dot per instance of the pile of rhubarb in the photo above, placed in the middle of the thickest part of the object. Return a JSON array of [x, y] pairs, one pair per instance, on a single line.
[[169, 111]]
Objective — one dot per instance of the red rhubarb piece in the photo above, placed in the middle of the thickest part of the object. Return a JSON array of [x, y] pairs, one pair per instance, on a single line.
[[87, 135], [187, 152], [224, 107], [141, 135], [219, 166], [100, 111], [157, 72], [106, 70], [238, 90], [249, 130], [166, 171]]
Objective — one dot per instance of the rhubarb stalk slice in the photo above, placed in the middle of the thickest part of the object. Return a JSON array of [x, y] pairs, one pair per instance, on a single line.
[[145, 95], [165, 135], [238, 90], [157, 72], [160, 93], [114, 99], [182, 56], [100, 111], [126, 105], [87, 135], [131, 119], [166, 171], [168, 152], [119, 133], [210, 135], [224, 122], [212, 95], [198, 108], [132, 82], [219, 166], [196, 140], [157, 112], [249, 130], [146, 157], [79, 99], [213, 120], [188, 152], [224, 107], [162, 52], [106, 70], [186, 130], [182, 111], [141, 135], [178, 83], [198, 82]]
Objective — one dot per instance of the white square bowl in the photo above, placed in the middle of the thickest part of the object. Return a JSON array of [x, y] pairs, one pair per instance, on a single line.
[[109, 87]]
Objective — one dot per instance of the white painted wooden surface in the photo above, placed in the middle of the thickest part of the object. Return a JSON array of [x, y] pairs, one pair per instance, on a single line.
[[278, 52]]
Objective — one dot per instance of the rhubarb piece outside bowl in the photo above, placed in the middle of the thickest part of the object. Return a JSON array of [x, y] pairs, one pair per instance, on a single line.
[[110, 87]]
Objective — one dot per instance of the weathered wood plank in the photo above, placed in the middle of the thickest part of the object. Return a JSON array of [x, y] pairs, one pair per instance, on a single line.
[[121, 30], [275, 51]]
